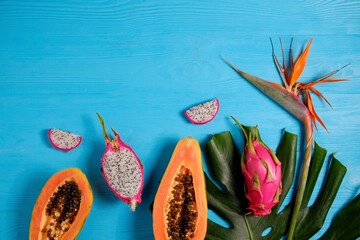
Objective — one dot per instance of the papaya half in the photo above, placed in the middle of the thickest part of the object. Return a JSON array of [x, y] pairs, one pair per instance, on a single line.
[[180, 205], [62, 206]]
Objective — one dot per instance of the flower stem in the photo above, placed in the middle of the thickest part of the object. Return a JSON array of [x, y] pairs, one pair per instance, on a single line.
[[248, 228], [304, 175]]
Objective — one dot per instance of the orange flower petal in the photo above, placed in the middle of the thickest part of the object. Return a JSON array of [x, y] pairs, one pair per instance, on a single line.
[[283, 56], [310, 106], [308, 85], [279, 67], [300, 64], [320, 95], [313, 112]]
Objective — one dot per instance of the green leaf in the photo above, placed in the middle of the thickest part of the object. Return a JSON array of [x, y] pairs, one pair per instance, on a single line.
[[230, 203], [343, 226]]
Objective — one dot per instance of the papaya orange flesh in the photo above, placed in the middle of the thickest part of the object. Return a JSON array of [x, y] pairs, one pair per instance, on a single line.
[[180, 205], [62, 206]]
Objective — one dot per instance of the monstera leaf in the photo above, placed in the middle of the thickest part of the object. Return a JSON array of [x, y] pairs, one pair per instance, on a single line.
[[229, 201]]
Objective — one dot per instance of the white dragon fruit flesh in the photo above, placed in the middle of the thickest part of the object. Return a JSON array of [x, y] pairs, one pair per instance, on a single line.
[[204, 112], [262, 173], [122, 169], [63, 140]]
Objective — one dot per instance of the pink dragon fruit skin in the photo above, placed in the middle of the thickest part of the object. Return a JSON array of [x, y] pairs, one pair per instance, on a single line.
[[262, 172]]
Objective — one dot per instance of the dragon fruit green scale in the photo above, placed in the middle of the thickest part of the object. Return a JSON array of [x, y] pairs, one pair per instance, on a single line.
[[262, 173]]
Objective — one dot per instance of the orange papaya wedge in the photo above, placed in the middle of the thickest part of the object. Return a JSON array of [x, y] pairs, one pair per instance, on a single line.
[[62, 206], [180, 205]]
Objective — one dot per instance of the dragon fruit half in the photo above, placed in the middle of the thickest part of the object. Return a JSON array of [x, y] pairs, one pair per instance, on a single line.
[[122, 169], [262, 172], [204, 112], [63, 140]]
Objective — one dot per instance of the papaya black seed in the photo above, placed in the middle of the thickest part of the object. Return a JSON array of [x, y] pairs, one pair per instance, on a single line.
[[182, 211], [64, 203]]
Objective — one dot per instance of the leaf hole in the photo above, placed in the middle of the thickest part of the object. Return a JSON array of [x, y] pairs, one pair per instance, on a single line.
[[266, 231], [217, 219]]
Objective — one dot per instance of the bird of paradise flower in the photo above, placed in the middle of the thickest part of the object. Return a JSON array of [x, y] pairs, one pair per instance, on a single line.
[[302, 108]]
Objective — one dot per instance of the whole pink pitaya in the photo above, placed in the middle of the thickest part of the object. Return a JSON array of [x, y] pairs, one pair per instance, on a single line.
[[262, 173]]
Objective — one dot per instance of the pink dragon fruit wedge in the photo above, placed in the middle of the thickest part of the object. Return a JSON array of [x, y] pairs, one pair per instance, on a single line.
[[204, 112], [122, 169], [262, 172], [63, 140]]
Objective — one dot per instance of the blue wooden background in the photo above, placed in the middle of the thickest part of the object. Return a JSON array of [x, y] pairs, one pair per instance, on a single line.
[[140, 64]]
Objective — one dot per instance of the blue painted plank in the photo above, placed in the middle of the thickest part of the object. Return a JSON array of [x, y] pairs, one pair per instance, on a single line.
[[141, 64]]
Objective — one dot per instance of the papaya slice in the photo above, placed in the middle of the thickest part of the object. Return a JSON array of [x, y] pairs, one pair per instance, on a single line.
[[180, 205], [62, 206]]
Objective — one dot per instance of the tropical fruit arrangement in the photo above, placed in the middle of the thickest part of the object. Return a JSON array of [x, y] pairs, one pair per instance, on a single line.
[[245, 188]]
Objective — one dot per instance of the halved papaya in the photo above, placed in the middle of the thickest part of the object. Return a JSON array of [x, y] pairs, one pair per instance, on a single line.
[[62, 206], [180, 205]]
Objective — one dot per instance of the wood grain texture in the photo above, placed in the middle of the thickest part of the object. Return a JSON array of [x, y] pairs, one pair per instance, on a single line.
[[141, 64]]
